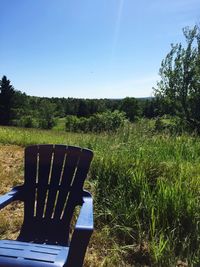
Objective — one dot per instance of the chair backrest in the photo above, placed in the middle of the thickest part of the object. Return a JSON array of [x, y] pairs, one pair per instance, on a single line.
[[54, 177]]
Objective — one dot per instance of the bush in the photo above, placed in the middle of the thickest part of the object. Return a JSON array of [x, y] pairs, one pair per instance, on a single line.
[[25, 121], [101, 122], [172, 125], [46, 124]]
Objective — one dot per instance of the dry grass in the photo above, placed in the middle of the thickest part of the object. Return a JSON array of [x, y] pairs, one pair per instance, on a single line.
[[11, 174]]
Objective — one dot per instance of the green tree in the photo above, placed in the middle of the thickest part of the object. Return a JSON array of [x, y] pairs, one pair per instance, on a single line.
[[130, 107], [6, 100], [83, 110], [20, 106], [46, 114], [179, 87]]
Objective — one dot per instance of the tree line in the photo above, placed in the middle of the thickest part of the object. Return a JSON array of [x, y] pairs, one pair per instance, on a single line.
[[17, 108]]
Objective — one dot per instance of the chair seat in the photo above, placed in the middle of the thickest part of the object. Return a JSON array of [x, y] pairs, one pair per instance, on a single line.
[[15, 253]]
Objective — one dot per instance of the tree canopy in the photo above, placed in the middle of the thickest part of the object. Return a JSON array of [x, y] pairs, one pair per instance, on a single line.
[[179, 87]]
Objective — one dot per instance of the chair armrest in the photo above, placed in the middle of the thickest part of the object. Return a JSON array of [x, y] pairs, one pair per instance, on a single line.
[[82, 233], [14, 194], [85, 220]]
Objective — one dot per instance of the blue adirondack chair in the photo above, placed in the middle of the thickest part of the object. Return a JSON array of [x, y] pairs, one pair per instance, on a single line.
[[53, 187]]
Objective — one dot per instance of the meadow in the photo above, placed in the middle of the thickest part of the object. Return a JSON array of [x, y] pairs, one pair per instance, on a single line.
[[146, 188]]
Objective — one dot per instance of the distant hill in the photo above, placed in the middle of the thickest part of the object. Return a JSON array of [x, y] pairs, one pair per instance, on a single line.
[[145, 98], [138, 98]]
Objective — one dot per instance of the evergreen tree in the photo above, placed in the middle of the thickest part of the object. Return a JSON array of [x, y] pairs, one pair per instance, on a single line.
[[6, 100]]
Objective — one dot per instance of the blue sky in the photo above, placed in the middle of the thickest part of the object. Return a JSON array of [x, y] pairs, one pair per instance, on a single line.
[[89, 48]]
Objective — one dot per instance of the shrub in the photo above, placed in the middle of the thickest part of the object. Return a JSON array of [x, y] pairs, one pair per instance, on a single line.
[[46, 124], [28, 122], [172, 125], [101, 122], [25, 121]]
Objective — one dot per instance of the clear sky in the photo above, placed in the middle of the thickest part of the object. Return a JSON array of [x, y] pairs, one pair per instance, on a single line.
[[89, 48]]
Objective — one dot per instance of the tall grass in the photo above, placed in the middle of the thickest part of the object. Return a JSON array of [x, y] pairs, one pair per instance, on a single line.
[[147, 190]]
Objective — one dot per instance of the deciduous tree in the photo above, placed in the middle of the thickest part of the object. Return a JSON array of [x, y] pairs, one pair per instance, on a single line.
[[179, 86]]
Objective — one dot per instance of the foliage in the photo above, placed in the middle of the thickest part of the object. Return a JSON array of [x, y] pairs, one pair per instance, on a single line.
[[59, 124], [130, 106], [44, 111], [100, 122], [179, 87], [172, 125], [46, 118], [6, 97], [28, 122]]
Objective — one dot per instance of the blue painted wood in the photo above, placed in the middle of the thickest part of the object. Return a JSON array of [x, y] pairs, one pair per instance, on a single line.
[[54, 177]]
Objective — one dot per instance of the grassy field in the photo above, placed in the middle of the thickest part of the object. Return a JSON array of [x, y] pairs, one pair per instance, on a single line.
[[146, 188]]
